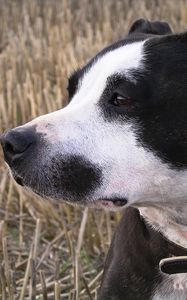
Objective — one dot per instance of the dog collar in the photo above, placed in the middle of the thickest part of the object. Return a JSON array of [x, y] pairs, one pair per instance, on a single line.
[[173, 265]]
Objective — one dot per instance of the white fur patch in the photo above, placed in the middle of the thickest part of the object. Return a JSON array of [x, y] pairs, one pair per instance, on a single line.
[[163, 221], [173, 287]]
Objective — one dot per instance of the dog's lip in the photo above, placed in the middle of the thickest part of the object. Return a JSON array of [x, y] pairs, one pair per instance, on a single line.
[[106, 202], [113, 202]]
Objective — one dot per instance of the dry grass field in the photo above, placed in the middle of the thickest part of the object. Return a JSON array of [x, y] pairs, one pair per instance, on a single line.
[[47, 250]]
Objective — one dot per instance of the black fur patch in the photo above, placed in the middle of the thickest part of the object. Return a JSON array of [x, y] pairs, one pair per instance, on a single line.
[[73, 177], [73, 83], [164, 124]]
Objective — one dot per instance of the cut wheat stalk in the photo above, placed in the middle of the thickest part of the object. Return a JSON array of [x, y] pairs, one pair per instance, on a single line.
[[32, 289], [3, 283], [78, 248], [43, 285], [7, 270], [37, 238], [27, 273], [57, 290]]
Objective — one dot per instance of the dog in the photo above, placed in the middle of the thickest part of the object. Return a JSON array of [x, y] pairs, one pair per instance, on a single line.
[[121, 144]]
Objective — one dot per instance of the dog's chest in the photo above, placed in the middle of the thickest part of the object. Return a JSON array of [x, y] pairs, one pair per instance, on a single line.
[[173, 287]]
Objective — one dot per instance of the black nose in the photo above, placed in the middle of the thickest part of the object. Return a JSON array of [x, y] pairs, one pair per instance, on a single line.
[[15, 142]]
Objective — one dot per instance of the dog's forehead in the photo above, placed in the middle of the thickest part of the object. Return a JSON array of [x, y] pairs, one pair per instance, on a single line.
[[121, 60]]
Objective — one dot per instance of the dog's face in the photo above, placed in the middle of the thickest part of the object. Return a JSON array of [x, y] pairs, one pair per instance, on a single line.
[[123, 135]]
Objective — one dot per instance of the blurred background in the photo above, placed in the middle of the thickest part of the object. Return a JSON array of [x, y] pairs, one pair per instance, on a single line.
[[47, 250]]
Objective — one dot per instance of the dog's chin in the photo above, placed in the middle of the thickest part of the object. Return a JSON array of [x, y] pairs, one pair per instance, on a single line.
[[20, 181], [113, 204]]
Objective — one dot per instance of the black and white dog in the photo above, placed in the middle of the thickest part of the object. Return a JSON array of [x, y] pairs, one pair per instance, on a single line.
[[121, 141]]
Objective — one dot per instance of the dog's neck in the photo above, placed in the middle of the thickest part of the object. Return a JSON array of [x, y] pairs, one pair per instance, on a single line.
[[170, 221]]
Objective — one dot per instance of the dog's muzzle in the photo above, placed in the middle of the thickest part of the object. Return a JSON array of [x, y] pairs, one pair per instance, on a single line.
[[18, 144], [56, 175]]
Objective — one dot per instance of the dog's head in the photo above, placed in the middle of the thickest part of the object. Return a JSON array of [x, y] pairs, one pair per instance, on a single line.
[[123, 135]]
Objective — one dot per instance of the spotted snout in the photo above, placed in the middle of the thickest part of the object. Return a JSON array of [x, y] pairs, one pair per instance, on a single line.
[[63, 176]]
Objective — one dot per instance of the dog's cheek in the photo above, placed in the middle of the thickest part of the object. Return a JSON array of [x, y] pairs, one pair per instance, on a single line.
[[132, 171], [76, 176], [70, 178]]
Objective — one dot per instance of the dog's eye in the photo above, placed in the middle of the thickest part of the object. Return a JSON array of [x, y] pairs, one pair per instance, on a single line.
[[119, 100]]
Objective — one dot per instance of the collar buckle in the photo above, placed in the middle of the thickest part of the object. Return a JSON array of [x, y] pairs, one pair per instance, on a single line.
[[173, 265]]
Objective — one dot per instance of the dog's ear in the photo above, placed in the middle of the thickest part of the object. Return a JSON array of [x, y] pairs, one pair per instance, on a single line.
[[144, 26]]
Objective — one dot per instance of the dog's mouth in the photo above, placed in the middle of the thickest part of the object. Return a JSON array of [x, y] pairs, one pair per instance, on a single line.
[[111, 203], [103, 202]]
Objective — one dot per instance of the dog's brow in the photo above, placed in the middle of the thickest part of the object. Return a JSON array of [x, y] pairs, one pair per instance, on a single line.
[[93, 77], [114, 79]]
